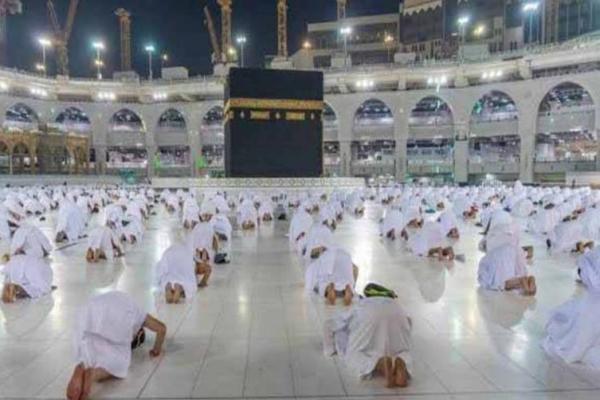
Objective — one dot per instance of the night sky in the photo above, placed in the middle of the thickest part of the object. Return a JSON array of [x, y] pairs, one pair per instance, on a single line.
[[174, 26]]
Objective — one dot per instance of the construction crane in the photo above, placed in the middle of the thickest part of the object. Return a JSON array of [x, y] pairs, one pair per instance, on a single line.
[[217, 56], [282, 48], [226, 29], [7, 7], [125, 38], [62, 35]]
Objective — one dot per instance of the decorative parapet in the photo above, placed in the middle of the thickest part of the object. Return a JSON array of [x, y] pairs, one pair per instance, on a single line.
[[327, 184]]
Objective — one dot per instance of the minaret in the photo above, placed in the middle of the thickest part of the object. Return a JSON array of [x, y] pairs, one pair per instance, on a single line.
[[226, 29], [125, 28]]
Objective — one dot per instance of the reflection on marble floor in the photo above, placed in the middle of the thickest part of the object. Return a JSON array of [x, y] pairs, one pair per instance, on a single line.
[[253, 334]]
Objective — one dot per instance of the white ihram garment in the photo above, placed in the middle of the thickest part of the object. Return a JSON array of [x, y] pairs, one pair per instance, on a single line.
[[105, 330], [103, 238], [333, 266], [501, 264], [33, 274], [177, 266], [427, 238], [573, 331], [31, 241], [377, 327]]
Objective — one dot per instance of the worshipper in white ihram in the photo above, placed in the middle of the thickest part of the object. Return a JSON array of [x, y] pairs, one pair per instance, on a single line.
[[505, 268], [176, 273], [430, 241], [331, 272], [393, 224], [247, 216], [103, 244], [569, 236], [29, 240], [573, 331], [299, 228], [108, 329], [373, 339], [26, 276], [71, 223]]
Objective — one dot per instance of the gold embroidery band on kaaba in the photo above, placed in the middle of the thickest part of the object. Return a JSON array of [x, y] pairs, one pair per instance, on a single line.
[[274, 104]]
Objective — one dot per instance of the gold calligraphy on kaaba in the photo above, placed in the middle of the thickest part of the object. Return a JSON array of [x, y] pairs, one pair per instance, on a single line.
[[274, 104]]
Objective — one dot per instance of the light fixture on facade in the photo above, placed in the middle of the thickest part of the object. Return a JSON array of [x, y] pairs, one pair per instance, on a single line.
[[437, 81], [38, 92], [492, 75], [107, 96], [160, 96], [365, 84]]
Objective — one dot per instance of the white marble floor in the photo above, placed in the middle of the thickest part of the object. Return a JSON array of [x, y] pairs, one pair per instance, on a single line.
[[253, 334]]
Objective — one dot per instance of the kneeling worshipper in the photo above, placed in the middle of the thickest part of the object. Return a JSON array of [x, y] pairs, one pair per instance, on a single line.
[[327, 216], [331, 272], [393, 224], [569, 236], [449, 224], [430, 241], [71, 223], [355, 204], [29, 240], [299, 227], [573, 331], [204, 242], [544, 220], [133, 229], [266, 209], [103, 244], [374, 338], [176, 273], [26, 276], [505, 268], [247, 216], [502, 229], [107, 330], [191, 213]]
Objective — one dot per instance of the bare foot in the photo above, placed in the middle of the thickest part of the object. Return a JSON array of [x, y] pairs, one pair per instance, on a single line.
[[330, 295], [348, 296], [88, 379], [532, 286], [75, 387], [400, 373], [388, 372]]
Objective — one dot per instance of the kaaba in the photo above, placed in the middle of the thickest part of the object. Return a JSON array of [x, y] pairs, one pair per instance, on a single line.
[[273, 125]]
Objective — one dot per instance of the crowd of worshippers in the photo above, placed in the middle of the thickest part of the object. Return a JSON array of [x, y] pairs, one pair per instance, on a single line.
[[371, 331]]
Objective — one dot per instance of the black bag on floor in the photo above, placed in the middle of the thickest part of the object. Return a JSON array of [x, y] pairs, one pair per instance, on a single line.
[[221, 258]]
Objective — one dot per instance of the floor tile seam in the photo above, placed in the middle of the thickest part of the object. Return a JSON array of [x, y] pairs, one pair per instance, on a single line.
[[356, 396], [34, 359], [147, 381], [251, 323], [480, 374], [203, 363]]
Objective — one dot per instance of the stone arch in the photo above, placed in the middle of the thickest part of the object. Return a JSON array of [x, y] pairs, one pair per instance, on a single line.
[[494, 138], [566, 125], [127, 120], [172, 119], [373, 144], [21, 116], [73, 119], [432, 111], [430, 144]]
